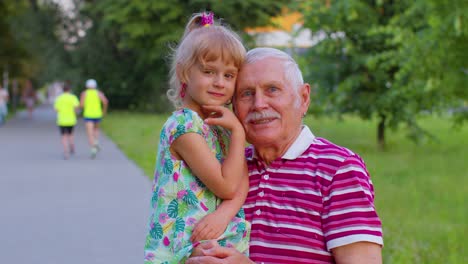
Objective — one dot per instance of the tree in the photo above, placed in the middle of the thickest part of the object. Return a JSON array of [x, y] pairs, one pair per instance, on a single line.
[[36, 50], [377, 59], [433, 56], [11, 54]]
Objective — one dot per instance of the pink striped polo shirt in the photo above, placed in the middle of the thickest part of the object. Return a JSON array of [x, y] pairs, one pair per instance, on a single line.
[[316, 197]]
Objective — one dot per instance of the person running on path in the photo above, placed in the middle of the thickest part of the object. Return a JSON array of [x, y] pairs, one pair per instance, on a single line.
[[94, 104], [201, 150], [66, 105], [3, 104], [29, 98]]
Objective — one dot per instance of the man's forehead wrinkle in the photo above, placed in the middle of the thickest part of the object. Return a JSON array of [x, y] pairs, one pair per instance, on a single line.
[[247, 81]]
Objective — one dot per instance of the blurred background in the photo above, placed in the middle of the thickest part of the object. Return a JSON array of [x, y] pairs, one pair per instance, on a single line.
[[389, 79]]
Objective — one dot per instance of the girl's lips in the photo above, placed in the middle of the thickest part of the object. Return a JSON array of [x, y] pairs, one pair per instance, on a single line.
[[216, 94]]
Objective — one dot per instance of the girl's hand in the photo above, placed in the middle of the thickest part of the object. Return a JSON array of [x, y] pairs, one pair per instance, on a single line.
[[216, 254], [211, 226], [222, 116]]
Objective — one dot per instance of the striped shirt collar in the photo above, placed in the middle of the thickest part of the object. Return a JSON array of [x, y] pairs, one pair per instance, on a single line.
[[302, 142]]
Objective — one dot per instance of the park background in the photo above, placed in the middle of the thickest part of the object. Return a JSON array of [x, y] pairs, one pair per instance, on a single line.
[[389, 81]]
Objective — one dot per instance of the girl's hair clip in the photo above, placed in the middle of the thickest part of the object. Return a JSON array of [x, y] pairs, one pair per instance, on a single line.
[[207, 19]]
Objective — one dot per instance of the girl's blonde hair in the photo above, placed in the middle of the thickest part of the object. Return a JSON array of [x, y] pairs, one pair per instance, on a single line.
[[200, 44]]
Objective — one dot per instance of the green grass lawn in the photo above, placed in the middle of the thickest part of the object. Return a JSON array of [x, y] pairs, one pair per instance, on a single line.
[[421, 190]]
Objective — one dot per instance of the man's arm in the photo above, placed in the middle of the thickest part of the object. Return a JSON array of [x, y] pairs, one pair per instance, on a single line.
[[105, 102], [359, 238], [358, 253], [77, 105], [82, 98]]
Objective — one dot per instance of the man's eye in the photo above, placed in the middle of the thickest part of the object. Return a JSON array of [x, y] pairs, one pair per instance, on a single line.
[[272, 89], [246, 93]]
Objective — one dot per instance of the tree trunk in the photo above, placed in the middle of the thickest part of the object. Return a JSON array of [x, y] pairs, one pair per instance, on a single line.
[[34, 5], [381, 132]]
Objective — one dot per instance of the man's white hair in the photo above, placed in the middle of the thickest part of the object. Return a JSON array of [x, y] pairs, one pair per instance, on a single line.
[[292, 73]]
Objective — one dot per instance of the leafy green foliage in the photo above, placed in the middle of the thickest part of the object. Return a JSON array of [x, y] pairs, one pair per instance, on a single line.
[[11, 53], [382, 59], [31, 45]]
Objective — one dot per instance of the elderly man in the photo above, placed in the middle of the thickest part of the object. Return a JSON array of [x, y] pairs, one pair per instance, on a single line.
[[310, 201]]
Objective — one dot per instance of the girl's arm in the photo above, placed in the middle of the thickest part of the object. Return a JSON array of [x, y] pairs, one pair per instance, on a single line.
[[222, 179], [213, 225]]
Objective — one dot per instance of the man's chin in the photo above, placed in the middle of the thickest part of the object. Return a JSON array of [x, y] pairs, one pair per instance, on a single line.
[[262, 139]]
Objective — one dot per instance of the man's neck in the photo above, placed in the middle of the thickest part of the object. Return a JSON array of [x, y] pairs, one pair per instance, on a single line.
[[270, 153]]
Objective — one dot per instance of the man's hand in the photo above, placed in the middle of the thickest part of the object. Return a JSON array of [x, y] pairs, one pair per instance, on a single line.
[[211, 226], [216, 254]]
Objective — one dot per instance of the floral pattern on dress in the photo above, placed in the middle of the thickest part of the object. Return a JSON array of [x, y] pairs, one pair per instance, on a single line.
[[180, 199]]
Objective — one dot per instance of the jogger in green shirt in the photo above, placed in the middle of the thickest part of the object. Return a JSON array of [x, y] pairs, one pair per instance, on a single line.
[[66, 106], [94, 104]]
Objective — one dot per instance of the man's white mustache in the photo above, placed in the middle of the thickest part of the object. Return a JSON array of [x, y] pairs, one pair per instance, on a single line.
[[254, 116]]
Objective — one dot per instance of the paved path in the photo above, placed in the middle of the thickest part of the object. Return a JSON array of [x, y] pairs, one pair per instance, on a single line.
[[79, 210]]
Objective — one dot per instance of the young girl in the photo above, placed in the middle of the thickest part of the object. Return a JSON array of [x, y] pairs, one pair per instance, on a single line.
[[201, 179]]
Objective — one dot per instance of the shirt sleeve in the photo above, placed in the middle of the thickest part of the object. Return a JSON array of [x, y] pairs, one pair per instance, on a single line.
[[182, 122], [349, 214]]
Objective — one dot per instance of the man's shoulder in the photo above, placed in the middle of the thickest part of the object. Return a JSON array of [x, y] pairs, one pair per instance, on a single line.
[[60, 97], [322, 147], [66, 95]]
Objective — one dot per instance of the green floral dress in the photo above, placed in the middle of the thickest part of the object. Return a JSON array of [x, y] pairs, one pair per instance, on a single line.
[[180, 199]]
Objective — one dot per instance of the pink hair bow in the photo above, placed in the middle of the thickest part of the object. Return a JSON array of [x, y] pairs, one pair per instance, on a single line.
[[207, 19]]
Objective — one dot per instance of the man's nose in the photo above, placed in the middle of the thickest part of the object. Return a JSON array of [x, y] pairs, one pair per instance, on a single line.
[[260, 101]]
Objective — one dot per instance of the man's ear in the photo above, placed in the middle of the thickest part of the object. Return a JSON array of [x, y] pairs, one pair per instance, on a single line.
[[304, 94]]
